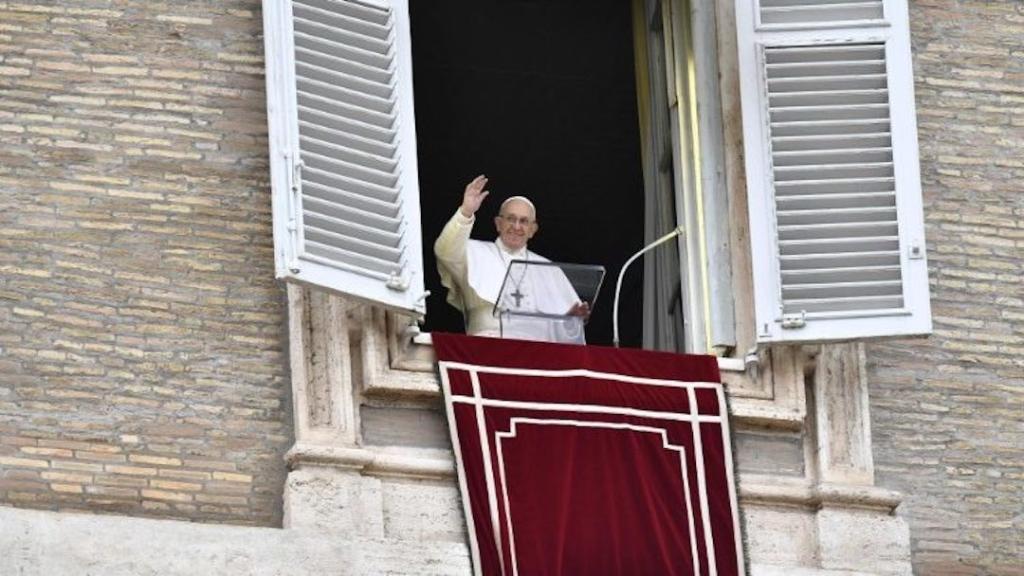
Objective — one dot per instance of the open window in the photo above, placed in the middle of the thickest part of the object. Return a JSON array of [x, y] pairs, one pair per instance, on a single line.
[[832, 181], [540, 96]]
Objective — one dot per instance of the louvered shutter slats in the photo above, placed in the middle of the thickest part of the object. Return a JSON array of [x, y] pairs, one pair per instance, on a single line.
[[843, 305], [334, 148], [797, 277], [843, 134], [314, 156], [830, 97], [835, 216], [353, 236], [359, 191], [350, 189], [833, 155], [828, 83], [837, 171], [370, 95], [844, 230], [371, 138], [370, 15], [852, 187], [358, 26], [348, 139], [360, 218], [345, 69], [808, 290], [333, 250], [839, 262], [368, 77], [342, 112], [830, 141], [795, 12], [833, 246], [377, 110], [828, 127]]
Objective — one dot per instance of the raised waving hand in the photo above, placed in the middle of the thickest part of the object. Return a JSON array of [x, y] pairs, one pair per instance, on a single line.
[[474, 196]]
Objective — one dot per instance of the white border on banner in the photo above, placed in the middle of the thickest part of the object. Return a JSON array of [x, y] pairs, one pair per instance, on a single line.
[[733, 500], [681, 450], [587, 408], [485, 447], [467, 509], [446, 364], [702, 494]]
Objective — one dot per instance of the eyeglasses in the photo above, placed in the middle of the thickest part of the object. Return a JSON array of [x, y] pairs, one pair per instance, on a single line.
[[512, 220]]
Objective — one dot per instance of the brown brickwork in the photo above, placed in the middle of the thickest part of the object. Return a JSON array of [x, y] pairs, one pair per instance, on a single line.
[[948, 412], [142, 336]]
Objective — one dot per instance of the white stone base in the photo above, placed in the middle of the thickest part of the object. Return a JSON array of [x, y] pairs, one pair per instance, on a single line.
[[344, 501], [340, 520], [36, 543], [827, 542]]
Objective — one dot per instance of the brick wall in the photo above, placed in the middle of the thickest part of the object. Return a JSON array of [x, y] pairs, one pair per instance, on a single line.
[[142, 336], [948, 412]]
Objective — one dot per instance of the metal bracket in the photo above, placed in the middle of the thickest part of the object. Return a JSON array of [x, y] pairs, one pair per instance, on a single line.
[[423, 297], [294, 177], [398, 281], [915, 250], [794, 320]]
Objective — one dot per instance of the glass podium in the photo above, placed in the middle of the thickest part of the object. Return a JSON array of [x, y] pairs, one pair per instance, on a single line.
[[547, 301]]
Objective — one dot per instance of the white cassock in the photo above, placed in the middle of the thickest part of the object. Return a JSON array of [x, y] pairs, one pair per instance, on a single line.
[[473, 271]]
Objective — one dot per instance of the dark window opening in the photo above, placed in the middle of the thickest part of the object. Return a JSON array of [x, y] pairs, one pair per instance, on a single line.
[[541, 97]]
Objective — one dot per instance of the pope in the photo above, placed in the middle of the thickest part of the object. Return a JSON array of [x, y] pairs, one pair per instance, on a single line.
[[473, 270]]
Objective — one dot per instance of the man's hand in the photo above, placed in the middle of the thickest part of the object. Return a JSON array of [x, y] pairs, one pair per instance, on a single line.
[[474, 196], [581, 309]]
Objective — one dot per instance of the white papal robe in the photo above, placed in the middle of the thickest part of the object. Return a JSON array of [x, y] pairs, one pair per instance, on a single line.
[[473, 271]]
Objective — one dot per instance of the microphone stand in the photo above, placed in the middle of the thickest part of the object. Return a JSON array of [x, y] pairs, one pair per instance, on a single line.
[[618, 285]]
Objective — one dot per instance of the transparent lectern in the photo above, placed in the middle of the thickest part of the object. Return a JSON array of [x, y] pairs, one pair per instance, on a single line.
[[536, 299]]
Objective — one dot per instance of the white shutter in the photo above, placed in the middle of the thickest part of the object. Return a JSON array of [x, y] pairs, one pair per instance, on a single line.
[[833, 180], [343, 148]]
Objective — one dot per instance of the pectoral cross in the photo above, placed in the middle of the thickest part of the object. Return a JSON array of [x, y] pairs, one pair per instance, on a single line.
[[518, 296]]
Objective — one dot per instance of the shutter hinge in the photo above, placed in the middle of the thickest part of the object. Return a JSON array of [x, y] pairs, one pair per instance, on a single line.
[[294, 206], [798, 320]]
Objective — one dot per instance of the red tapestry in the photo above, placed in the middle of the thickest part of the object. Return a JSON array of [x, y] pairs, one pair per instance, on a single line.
[[590, 460]]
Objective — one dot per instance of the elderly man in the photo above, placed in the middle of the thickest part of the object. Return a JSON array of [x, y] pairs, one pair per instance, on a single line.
[[473, 270]]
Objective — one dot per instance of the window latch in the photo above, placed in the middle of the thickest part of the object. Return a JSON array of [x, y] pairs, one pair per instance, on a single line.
[[916, 250]]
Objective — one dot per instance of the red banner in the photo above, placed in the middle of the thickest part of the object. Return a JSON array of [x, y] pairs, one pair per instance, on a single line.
[[590, 460]]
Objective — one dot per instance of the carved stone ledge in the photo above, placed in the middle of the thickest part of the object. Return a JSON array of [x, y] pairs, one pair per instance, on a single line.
[[374, 462], [771, 491], [769, 392]]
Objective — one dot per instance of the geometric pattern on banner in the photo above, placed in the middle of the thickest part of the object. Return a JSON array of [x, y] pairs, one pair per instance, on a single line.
[[590, 460]]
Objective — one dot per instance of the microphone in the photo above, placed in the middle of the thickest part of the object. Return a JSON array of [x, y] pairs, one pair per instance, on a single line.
[[618, 285]]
